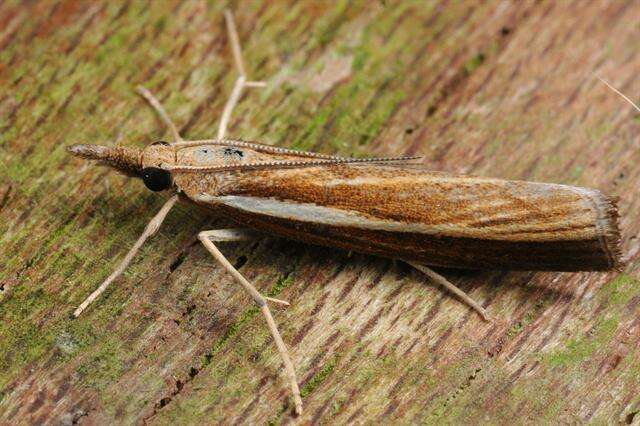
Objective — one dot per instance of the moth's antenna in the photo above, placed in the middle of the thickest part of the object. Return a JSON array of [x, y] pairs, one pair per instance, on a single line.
[[272, 165], [619, 93], [266, 148]]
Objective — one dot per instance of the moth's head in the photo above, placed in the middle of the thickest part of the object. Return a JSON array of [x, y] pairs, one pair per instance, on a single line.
[[146, 164]]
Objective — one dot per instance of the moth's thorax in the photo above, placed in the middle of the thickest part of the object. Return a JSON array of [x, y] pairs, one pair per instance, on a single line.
[[215, 155], [157, 155]]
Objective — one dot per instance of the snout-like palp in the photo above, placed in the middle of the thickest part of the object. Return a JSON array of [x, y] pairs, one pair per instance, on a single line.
[[124, 160]]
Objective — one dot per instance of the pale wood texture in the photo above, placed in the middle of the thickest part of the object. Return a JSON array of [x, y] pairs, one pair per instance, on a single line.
[[506, 90]]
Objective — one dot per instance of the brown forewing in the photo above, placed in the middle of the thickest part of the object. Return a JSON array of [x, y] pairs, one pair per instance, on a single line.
[[412, 214]]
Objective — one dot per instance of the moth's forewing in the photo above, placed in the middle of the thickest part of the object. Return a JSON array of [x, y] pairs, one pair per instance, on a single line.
[[412, 214]]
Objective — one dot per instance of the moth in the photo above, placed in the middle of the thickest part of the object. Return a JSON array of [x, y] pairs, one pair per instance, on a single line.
[[381, 206]]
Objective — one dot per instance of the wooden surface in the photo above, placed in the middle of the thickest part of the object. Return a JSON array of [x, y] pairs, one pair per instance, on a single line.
[[500, 89]]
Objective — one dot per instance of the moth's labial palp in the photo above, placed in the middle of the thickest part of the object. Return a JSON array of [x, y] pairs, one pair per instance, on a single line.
[[160, 143]]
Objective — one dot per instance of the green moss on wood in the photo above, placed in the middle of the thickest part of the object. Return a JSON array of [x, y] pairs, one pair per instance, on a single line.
[[580, 349], [317, 379]]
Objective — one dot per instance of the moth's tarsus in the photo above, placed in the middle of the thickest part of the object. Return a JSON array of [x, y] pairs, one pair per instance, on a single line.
[[625, 97]]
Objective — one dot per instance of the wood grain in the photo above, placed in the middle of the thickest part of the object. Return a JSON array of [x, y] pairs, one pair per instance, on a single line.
[[505, 90]]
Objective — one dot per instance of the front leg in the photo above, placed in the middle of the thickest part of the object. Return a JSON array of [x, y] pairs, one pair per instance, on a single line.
[[207, 238], [151, 228]]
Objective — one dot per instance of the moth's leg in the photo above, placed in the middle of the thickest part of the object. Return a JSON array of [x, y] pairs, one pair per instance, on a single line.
[[239, 234], [434, 276], [241, 81], [619, 93], [232, 234], [157, 106], [151, 228], [205, 237]]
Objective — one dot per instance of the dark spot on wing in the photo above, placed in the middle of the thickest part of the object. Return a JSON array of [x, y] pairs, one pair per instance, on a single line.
[[233, 152]]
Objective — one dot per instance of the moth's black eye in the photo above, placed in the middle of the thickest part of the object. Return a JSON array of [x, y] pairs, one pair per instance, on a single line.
[[160, 143], [156, 179]]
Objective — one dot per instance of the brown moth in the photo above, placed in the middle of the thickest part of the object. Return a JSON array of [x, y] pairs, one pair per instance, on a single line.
[[393, 211], [381, 206]]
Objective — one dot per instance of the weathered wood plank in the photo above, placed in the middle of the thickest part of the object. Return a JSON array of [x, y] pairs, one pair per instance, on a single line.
[[500, 89]]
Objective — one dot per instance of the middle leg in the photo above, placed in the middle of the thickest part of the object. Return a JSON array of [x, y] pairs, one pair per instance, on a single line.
[[207, 238]]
